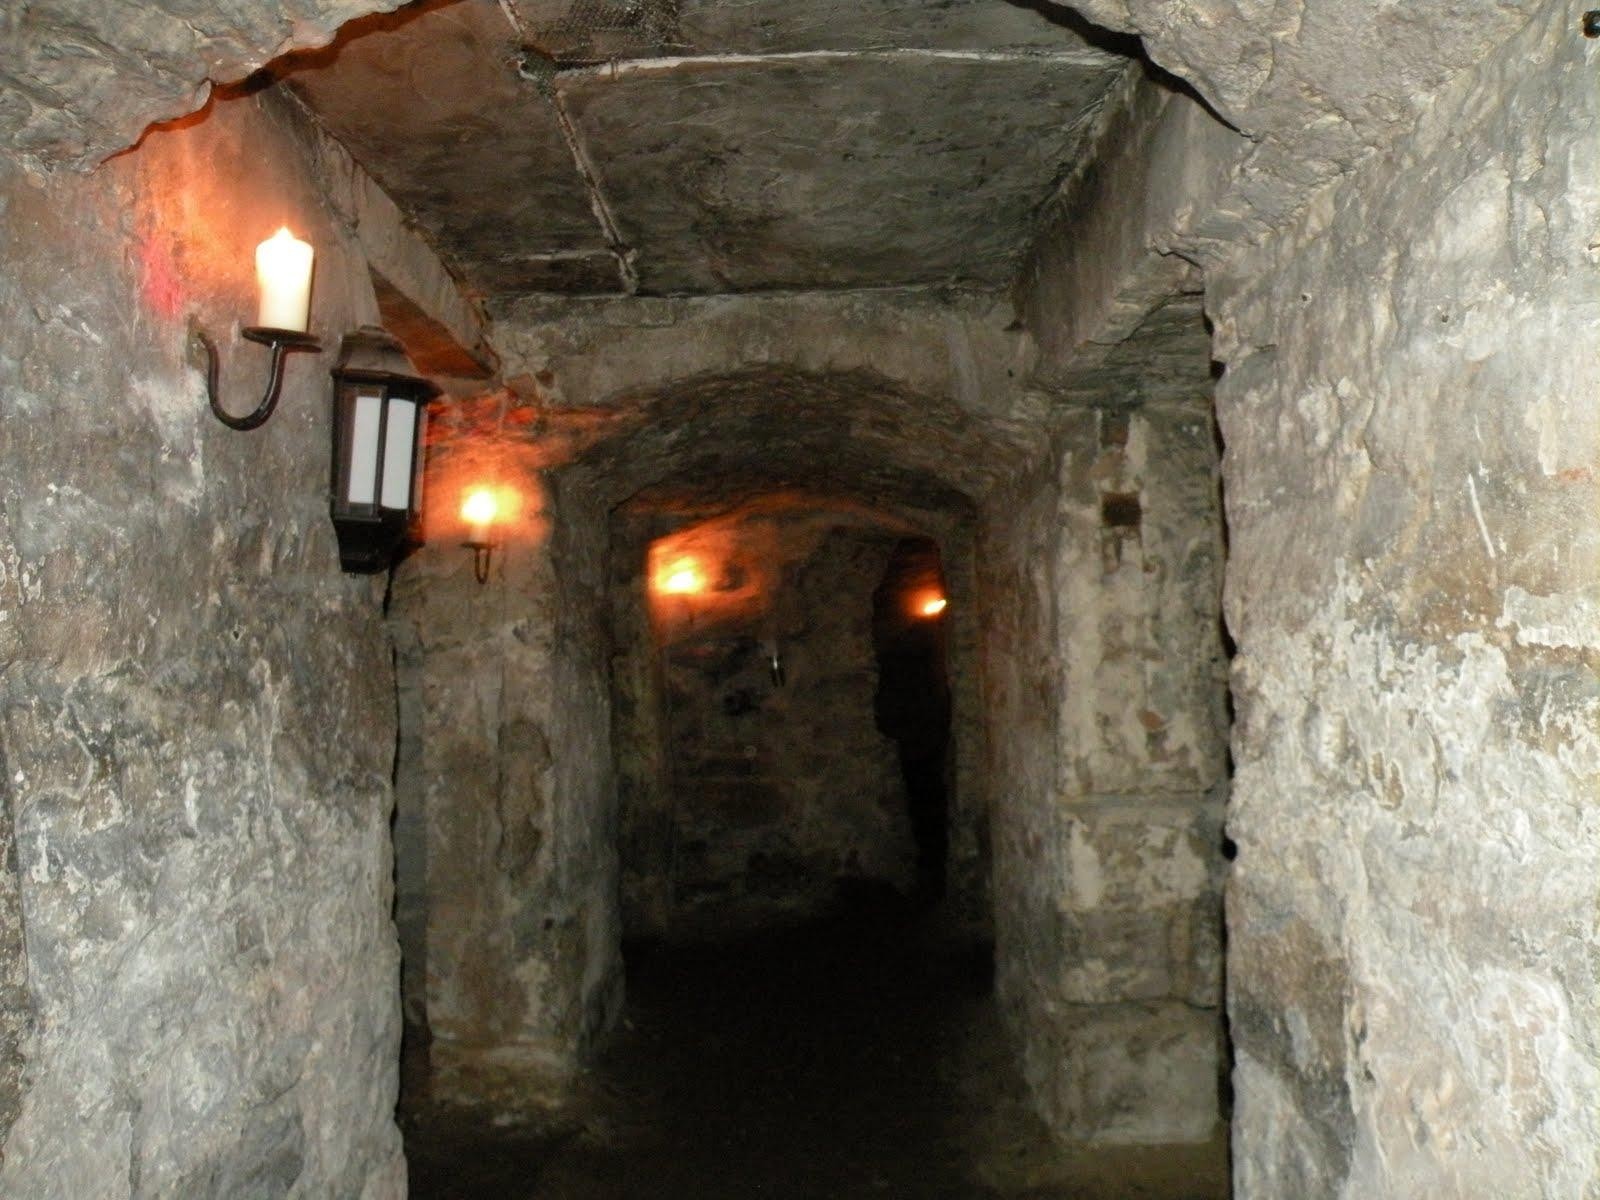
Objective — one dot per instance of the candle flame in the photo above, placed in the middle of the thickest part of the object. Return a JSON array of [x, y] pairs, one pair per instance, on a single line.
[[480, 507], [681, 579]]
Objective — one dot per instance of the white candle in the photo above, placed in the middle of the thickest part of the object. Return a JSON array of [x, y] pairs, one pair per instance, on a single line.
[[283, 273]]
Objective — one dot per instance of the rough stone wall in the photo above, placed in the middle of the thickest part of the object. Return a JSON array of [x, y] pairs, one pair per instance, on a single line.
[[1105, 673], [1315, 88], [83, 79], [1097, 265], [638, 733], [935, 342], [196, 706], [410, 849], [968, 856], [16, 1006], [1412, 442], [511, 778], [777, 789]]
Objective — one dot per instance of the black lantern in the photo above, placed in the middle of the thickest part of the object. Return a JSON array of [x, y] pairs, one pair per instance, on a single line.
[[379, 414]]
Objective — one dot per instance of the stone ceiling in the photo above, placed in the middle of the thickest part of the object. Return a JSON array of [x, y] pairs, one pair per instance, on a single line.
[[702, 146], [1314, 86]]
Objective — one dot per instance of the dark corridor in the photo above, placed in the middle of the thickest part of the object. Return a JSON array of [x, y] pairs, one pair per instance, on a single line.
[[912, 704]]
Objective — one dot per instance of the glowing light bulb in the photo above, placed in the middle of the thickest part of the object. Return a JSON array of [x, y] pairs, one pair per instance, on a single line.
[[479, 510], [932, 606]]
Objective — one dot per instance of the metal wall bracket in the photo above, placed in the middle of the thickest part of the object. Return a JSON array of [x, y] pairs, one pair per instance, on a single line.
[[282, 341]]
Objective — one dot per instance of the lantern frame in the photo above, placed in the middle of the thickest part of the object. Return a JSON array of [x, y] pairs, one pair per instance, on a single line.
[[373, 534]]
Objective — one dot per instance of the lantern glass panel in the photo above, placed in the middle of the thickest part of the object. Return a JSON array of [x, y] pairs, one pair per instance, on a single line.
[[363, 465], [397, 446], [416, 459]]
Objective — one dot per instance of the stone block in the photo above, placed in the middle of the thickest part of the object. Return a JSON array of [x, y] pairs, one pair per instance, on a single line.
[[1140, 903], [1136, 1074]]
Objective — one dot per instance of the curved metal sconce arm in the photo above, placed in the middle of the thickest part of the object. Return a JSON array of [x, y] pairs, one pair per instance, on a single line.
[[282, 342], [480, 559]]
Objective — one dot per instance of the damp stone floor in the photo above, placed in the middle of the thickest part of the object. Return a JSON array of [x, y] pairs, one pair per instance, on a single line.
[[857, 1055]]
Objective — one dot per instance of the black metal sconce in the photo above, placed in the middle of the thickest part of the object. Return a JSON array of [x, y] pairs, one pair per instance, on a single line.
[[379, 408], [282, 342], [379, 420]]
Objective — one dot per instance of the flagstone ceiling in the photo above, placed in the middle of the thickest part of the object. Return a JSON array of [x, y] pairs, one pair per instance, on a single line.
[[705, 146]]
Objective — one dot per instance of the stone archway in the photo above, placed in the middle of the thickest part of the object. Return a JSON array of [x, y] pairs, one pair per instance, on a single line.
[[522, 957], [1128, 533]]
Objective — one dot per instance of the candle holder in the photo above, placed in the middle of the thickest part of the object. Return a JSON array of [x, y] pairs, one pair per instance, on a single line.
[[481, 552], [282, 341], [480, 510]]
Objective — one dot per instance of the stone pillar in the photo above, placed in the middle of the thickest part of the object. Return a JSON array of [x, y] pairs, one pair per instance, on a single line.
[[1109, 864], [513, 778]]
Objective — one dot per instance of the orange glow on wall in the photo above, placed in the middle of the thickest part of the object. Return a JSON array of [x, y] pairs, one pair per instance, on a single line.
[[715, 574]]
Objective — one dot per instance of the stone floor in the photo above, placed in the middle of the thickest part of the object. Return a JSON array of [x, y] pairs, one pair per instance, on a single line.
[[855, 1056]]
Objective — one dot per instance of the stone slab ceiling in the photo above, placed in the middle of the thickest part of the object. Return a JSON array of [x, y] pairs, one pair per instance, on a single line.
[[701, 146]]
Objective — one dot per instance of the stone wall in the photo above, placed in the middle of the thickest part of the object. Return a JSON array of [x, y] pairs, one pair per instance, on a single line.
[[196, 706], [83, 81], [774, 789], [602, 352], [1105, 672], [1411, 458]]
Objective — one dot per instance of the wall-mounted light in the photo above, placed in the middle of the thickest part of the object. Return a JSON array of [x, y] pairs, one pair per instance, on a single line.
[[379, 419], [681, 578], [479, 509], [931, 606], [283, 277]]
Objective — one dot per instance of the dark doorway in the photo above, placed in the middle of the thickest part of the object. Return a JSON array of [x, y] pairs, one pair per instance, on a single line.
[[912, 704]]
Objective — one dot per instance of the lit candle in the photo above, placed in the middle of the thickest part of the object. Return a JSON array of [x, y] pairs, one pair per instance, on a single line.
[[478, 511], [683, 578], [283, 273]]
